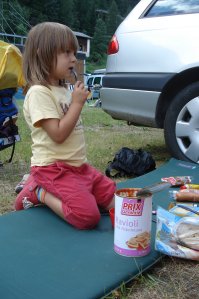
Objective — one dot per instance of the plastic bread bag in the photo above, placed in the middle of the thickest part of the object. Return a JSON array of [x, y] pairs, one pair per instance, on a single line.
[[177, 236], [186, 232]]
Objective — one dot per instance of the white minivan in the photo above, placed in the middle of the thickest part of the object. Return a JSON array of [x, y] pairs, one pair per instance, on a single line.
[[152, 72], [94, 82]]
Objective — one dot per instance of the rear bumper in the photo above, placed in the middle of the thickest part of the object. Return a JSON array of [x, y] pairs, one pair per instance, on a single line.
[[134, 106], [133, 96]]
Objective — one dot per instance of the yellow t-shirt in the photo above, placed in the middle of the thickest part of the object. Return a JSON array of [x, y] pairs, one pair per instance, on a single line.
[[43, 103]]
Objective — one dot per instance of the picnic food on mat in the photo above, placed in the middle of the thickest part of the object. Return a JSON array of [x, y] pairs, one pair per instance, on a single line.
[[185, 195], [176, 236], [177, 180], [187, 232], [189, 186], [183, 209]]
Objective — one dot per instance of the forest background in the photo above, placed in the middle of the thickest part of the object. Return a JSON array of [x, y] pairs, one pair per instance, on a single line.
[[97, 18]]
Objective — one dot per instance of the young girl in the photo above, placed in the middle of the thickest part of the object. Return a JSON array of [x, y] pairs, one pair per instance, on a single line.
[[60, 176]]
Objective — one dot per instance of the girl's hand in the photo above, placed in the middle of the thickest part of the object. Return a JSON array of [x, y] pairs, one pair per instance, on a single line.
[[80, 93], [60, 129]]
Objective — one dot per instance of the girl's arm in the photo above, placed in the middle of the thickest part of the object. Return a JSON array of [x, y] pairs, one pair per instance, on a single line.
[[60, 129]]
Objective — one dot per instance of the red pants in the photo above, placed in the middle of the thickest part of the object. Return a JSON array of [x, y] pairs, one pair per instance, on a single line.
[[80, 189]]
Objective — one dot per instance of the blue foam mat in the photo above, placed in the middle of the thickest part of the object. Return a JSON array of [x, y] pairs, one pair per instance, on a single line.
[[41, 256]]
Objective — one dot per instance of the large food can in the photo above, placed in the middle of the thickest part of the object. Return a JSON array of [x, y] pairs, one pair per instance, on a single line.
[[132, 232]]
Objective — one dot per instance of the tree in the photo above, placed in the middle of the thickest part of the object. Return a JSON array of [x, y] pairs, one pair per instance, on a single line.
[[122, 6], [67, 14], [84, 11], [113, 18], [36, 9], [14, 18], [52, 10], [90, 18], [99, 42]]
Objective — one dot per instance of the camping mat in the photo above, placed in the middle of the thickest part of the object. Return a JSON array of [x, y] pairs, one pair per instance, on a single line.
[[41, 256]]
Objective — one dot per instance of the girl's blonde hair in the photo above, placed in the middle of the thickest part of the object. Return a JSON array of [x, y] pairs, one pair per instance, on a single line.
[[43, 43]]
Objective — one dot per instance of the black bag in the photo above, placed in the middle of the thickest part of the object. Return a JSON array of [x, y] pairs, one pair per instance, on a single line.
[[129, 162]]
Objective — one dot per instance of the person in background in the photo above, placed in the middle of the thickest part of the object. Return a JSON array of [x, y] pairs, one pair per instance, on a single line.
[[60, 176]]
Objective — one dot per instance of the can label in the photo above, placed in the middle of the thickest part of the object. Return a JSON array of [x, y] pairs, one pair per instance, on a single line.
[[132, 207], [132, 232]]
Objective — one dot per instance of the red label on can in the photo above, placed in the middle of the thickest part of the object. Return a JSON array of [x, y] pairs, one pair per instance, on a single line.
[[132, 207]]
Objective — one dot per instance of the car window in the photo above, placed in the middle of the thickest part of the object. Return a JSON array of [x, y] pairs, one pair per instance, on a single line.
[[172, 7], [90, 80], [97, 80]]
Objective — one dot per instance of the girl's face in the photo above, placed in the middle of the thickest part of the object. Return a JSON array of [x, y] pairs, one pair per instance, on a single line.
[[65, 63]]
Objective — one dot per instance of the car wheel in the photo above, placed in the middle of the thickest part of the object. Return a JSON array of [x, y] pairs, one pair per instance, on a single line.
[[181, 127]]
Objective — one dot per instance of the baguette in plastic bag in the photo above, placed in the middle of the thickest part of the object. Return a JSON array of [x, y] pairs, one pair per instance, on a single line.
[[177, 236]]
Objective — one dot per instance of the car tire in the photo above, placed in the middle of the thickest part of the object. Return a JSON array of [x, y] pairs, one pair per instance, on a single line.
[[181, 127]]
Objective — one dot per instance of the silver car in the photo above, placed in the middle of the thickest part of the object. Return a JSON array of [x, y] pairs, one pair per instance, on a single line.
[[152, 72]]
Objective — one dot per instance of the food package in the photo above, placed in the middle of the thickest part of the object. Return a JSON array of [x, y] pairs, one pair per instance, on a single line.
[[177, 236], [187, 195], [177, 180], [182, 209], [186, 232], [189, 186]]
